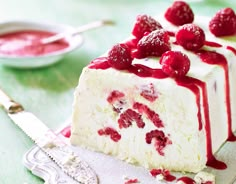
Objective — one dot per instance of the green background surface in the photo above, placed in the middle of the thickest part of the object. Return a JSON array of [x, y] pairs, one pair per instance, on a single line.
[[48, 92]]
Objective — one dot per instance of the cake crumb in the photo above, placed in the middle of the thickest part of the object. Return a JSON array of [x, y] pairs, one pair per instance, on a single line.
[[204, 177], [159, 177], [162, 174]]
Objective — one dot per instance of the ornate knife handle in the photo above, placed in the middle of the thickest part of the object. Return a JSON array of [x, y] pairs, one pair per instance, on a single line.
[[49, 142], [9, 105], [67, 159]]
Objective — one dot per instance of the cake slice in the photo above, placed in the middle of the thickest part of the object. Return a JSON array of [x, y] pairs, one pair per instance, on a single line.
[[163, 98]]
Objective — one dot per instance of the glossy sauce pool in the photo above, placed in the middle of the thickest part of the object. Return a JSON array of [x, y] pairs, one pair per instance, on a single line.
[[26, 43]]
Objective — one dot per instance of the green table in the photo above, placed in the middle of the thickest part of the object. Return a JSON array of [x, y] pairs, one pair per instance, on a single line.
[[48, 92]]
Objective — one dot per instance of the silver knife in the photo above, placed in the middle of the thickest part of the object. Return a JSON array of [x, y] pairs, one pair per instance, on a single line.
[[49, 142]]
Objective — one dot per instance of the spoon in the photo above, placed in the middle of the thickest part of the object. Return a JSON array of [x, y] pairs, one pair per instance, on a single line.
[[77, 30]]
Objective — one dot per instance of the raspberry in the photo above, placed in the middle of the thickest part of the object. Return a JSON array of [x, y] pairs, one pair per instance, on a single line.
[[153, 44], [179, 13], [160, 140], [143, 24], [114, 135], [99, 63], [132, 43], [151, 115], [116, 99], [190, 36], [149, 93], [115, 95], [119, 57], [128, 116], [223, 23], [175, 63]]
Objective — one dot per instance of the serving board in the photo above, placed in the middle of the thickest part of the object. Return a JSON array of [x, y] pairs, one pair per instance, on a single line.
[[111, 170]]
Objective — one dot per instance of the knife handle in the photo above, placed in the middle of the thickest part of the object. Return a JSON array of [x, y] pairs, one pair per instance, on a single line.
[[9, 104]]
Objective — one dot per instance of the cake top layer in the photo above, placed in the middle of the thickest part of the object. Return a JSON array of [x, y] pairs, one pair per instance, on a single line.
[[176, 44]]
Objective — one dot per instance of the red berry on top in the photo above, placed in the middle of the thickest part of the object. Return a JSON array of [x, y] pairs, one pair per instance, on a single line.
[[190, 36], [179, 13], [132, 43], [223, 23], [175, 63], [143, 24], [119, 57], [153, 44]]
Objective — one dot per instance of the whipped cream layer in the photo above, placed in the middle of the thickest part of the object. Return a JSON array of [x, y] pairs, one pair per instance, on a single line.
[[160, 121]]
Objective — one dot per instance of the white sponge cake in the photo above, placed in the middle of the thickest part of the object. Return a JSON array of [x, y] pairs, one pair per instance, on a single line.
[[164, 98]]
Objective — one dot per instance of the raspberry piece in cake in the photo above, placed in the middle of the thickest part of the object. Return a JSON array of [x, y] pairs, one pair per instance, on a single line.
[[160, 140], [143, 24], [153, 44], [127, 117], [179, 13], [114, 135], [191, 37], [116, 99], [175, 63], [223, 23], [119, 57], [114, 96], [149, 93], [151, 115]]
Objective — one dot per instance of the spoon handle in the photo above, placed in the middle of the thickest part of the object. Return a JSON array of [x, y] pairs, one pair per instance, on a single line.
[[78, 30]]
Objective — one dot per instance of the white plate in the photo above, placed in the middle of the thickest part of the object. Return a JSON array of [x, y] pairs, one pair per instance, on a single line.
[[111, 170], [37, 61]]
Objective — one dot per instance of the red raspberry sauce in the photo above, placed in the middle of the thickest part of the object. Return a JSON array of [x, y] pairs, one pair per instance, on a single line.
[[66, 132], [26, 43], [165, 173], [186, 180]]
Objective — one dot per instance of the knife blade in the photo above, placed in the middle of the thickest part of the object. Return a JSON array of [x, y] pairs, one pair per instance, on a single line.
[[53, 145]]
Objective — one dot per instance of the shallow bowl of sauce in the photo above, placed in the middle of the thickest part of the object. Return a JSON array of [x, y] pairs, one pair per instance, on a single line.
[[20, 45]]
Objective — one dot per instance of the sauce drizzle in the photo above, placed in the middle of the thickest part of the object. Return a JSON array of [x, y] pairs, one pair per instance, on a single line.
[[231, 49], [215, 58], [189, 82], [212, 44]]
